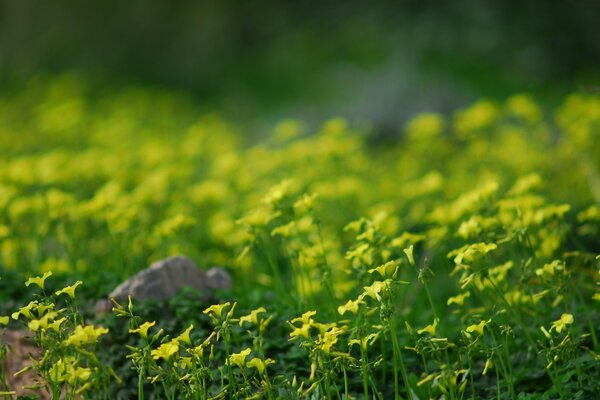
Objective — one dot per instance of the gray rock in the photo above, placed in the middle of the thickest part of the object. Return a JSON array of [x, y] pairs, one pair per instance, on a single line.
[[218, 279], [165, 278]]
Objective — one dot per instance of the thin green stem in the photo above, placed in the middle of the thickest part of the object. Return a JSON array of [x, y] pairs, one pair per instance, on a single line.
[[398, 359]]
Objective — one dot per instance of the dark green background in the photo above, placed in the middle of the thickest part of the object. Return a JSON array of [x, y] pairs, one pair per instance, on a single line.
[[262, 60]]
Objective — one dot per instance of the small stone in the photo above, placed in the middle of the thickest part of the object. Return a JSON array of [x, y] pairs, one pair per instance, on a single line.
[[163, 280]]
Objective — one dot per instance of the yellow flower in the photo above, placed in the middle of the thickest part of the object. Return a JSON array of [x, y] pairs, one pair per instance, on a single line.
[[39, 280], [550, 269], [35, 324], [166, 350], [429, 328], [78, 374], [459, 299], [305, 318], [216, 309], [253, 316], [186, 362], [389, 269], [4, 320], [409, 254], [143, 329], [69, 290], [25, 311], [85, 335], [239, 359], [199, 350], [42, 308], [560, 324], [305, 203], [303, 331], [364, 342], [596, 296], [55, 326], [351, 306], [477, 327], [329, 338], [259, 364], [376, 288], [185, 336]]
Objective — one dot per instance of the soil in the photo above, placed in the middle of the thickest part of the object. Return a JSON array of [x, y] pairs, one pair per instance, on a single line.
[[20, 348]]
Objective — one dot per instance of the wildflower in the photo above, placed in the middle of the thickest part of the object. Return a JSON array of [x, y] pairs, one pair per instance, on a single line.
[[365, 341], [305, 203], [560, 324], [426, 379], [42, 308], [458, 299], [477, 327], [303, 331], [39, 280], [185, 336], [78, 374], [351, 306], [199, 350], [4, 320], [390, 268], [409, 254], [69, 290], [488, 364], [329, 338], [216, 309], [55, 326], [166, 350], [361, 253], [85, 335], [284, 230], [429, 328], [259, 364], [185, 363], [239, 359], [376, 288], [253, 316], [470, 252], [549, 269], [25, 311], [305, 318], [35, 324], [143, 329]]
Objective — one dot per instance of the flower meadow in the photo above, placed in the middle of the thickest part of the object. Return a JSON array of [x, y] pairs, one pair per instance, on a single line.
[[458, 260]]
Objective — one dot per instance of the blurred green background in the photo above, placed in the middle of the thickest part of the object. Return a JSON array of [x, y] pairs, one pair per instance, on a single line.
[[258, 61]]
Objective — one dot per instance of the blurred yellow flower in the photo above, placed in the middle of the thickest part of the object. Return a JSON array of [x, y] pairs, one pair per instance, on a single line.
[[351, 306], [458, 299], [477, 327], [429, 328], [560, 324]]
